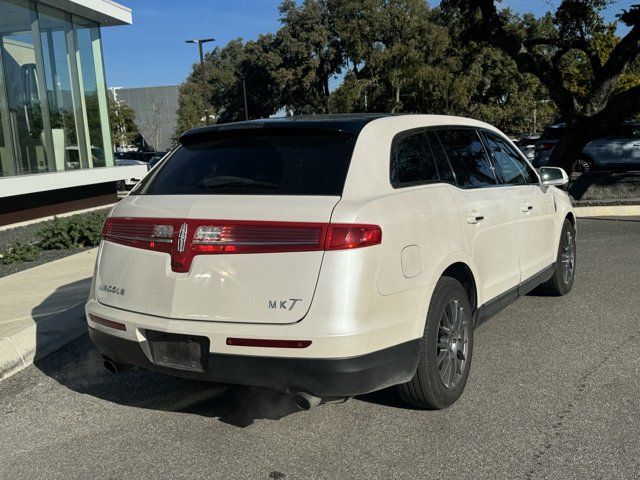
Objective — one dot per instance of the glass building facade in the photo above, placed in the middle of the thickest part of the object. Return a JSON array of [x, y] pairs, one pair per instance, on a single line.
[[53, 100]]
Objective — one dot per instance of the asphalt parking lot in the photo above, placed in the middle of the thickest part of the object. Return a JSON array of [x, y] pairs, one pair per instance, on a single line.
[[554, 392]]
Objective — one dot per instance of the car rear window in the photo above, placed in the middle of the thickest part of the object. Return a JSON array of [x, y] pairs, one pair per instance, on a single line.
[[255, 163], [553, 133]]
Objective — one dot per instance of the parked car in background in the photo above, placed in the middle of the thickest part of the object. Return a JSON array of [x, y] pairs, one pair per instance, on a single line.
[[527, 145], [619, 150], [156, 158], [128, 183], [328, 256]]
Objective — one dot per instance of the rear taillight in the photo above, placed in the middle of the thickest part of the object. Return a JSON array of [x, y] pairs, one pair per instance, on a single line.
[[344, 236], [256, 237], [184, 239], [138, 232], [545, 146]]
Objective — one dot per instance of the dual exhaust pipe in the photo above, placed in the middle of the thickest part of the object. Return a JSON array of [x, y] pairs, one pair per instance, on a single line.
[[303, 400]]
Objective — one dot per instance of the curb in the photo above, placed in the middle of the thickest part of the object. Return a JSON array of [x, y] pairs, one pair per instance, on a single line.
[[21, 348], [608, 211]]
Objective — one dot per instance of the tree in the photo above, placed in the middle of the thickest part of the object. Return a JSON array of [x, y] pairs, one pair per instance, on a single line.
[[386, 44], [122, 121], [577, 36], [308, 46], [152, 126]]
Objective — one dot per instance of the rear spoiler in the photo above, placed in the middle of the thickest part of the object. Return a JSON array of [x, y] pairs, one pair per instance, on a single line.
[[244, 130]]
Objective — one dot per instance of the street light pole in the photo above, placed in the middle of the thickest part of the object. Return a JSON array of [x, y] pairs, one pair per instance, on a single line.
[[200, 41]]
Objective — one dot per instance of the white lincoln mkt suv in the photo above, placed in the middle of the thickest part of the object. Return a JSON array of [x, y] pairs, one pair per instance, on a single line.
[[328, 256]]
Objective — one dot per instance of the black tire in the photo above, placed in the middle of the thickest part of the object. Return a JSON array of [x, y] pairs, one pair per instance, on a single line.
[[562, 280], [427, 388]]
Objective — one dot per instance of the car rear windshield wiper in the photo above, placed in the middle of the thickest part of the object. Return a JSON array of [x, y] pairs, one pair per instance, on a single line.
[[226, 181]]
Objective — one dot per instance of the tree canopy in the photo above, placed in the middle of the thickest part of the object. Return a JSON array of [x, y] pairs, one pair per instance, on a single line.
[[465, 57]]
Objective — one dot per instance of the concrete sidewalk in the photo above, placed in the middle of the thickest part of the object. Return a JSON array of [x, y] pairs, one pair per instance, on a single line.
[[42, 309]]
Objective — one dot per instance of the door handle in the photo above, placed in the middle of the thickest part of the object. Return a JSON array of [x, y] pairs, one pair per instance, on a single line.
[[527, 207], [475, 218]]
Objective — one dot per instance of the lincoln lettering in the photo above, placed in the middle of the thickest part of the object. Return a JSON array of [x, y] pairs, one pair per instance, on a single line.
[[111, 289]]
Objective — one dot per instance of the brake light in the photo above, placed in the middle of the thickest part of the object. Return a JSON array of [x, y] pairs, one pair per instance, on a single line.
[[184, 239], [545, 146], [256, 237], [341, 237], [137, 232]]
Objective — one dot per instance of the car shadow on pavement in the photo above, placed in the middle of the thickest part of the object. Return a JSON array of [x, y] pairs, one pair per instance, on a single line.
[[79, 367]]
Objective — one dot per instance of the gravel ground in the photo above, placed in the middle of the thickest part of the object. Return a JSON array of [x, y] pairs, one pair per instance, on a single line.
[[29, 234]]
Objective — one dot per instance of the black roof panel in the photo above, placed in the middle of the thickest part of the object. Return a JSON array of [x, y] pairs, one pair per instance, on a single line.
[[347, 122]]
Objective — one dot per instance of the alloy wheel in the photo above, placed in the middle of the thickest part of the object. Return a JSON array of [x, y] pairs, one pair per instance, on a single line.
[[568, 257], [583, 165], [453, 343]]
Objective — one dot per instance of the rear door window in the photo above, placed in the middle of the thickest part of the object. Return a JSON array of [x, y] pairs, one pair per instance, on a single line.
[[468, 157], [512, 169], [411, 160], [294, 162]]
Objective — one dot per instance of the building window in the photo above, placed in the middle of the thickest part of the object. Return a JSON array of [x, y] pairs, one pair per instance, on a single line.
[[63, 102], [53, 103], [94, 91], [24, 116]]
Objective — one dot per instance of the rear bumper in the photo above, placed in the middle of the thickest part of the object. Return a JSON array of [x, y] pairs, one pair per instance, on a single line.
[[323, 377]]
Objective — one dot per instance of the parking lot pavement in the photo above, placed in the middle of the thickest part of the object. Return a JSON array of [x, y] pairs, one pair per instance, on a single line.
[[554, 392]]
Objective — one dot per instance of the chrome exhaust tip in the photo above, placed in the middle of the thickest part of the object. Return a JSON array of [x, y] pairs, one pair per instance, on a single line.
[[306, 401]]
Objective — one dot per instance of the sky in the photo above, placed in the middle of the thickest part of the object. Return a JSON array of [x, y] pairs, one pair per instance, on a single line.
[[153, 52]]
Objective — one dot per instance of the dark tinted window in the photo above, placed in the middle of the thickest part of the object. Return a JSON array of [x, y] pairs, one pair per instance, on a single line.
[[624, 132], [511, 167], [553, 133], [256, 163], [468, 157], [411, 160], [440, 157]]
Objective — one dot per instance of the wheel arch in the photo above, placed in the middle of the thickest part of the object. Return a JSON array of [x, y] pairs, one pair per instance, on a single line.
[[463, 273]]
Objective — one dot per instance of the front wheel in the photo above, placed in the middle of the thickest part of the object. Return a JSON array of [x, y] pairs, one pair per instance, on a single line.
[[562, 280], [583, 165], [445, 353]]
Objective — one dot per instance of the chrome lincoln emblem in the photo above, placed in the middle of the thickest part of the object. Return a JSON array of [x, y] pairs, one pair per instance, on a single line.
[[182, 237]]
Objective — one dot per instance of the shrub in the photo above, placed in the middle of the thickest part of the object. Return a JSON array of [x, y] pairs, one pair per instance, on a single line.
[[19, 252], [72, 232]]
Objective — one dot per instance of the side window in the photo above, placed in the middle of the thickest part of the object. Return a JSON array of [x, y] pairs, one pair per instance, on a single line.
[[468, 157], [440, 157], [512, 168], [411, 160]]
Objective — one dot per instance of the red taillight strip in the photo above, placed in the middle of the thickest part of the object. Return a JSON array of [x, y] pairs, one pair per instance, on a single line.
[[184, 239], [108, 323], [260, 342]]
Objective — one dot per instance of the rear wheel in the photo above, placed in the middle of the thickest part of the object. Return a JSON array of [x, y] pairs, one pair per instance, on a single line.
[[562, 280], [445, 353]]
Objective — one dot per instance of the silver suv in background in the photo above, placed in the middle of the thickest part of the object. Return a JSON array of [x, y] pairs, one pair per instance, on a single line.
[[619, 150]]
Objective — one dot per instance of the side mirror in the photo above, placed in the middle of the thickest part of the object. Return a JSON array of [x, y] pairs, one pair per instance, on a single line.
[[553, 176]]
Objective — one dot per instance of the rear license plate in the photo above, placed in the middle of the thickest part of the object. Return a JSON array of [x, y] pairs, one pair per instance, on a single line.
[[186, 352]]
